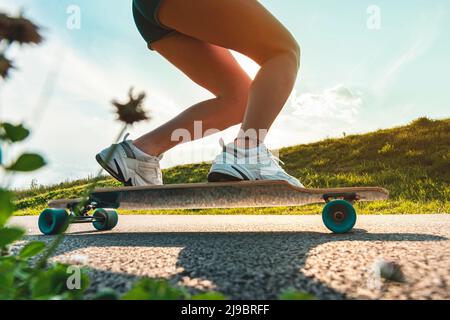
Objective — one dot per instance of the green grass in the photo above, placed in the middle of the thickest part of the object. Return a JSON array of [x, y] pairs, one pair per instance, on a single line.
[[412, 161]]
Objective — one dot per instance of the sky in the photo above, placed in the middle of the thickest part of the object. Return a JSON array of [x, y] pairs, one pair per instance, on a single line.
[[366, 65]]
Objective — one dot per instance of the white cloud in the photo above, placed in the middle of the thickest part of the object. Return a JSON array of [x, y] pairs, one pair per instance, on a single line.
[[310, 117], [335, 103]]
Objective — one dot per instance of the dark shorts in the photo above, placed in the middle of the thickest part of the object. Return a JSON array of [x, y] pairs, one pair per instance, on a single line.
[[145, 13]]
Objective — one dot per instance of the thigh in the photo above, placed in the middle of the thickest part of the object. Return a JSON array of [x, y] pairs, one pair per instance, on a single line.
[[212, 67], [242, 25]]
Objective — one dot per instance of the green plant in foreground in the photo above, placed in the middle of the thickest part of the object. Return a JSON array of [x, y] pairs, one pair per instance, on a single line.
[[19, 277], [20, 280], [9, 135], [292, 294]]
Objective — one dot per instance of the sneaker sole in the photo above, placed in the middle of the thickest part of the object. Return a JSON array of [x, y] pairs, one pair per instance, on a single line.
[[222, 177]]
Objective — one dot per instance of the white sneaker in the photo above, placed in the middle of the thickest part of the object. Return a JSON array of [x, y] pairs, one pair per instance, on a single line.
[[237, 164], [131, 166]]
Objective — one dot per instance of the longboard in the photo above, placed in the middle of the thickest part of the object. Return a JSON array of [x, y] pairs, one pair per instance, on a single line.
[[219, 195], [212, 195]]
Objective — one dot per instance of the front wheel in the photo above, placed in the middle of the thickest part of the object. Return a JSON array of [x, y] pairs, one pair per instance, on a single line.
[[53, 221], [339, 216], [105, 219]]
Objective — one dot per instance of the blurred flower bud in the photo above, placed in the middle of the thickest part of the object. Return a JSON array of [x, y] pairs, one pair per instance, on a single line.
[[19, 29], [132, 111]]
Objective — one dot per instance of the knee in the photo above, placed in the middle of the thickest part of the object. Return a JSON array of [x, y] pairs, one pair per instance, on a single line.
[[288, 47], [235, 101], [291, 48]]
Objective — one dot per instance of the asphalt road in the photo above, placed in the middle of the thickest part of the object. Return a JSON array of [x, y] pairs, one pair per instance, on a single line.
[[257, 257]]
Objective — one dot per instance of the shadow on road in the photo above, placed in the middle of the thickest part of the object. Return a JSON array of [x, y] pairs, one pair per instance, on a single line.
[[253, 265]]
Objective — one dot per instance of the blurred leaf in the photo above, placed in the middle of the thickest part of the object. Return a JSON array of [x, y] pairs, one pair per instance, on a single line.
[[52, 284], [107, 294], [15, 133], [136, 294], [292, 294], [149, 289], [209, 296], [9, 235], [32, 249], [6, 206], [27, 162], [7, 270]]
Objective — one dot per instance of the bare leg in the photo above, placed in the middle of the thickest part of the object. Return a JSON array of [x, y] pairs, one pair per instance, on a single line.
[[213, 68], [247, 27], [244, 26]]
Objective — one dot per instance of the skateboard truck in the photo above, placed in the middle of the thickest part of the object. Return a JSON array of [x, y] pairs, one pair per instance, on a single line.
[[83, 212], [93, 203]]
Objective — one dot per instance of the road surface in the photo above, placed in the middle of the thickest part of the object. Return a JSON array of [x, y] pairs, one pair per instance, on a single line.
[[257, 257]]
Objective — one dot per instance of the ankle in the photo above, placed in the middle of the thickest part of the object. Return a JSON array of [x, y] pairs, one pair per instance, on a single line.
[[145, 149], [247, 142]]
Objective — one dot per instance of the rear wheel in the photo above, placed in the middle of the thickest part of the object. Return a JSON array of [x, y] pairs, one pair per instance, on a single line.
[[339, 216], [105, 219], [53, 221]]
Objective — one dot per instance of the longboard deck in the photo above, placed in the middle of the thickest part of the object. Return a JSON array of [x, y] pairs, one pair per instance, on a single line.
[[219, 195]]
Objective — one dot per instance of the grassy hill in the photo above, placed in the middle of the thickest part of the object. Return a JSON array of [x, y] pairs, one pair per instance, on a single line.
[[412, 161]]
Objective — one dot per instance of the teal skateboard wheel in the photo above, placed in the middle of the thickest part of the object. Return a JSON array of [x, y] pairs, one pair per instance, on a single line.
[[105, 219], [339, 216], [53, 221]]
